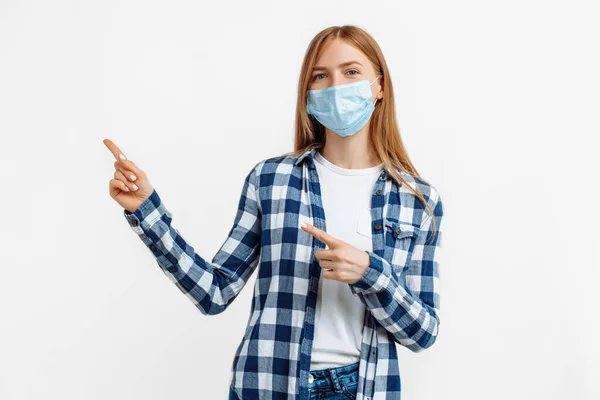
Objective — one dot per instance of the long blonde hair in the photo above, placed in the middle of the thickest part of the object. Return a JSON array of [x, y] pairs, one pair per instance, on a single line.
[[384, 134]]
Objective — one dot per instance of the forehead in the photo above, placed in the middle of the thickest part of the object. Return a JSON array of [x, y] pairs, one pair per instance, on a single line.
[[338, 51]]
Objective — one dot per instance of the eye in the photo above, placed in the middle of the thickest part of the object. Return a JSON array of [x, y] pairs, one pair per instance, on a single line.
[[353, 70], [315, 77]]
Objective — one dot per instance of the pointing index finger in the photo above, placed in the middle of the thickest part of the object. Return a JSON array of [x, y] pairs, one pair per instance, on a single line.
[[321, 235], [117, 153]]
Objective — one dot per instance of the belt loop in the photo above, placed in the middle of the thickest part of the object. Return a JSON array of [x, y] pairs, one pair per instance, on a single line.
[[334, 379]]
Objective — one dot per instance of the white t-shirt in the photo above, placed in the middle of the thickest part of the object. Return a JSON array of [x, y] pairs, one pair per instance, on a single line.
[[346, 196]]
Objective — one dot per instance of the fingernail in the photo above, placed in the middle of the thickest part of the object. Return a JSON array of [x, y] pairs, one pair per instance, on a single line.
[[122, 156], [135, 187], [132, 177], [303, 225], [126, 189]]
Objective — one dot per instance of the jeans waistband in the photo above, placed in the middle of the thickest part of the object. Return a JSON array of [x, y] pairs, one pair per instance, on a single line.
[[334, 377]]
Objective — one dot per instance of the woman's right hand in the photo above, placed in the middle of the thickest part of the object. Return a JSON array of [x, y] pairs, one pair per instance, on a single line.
[[130, 186]]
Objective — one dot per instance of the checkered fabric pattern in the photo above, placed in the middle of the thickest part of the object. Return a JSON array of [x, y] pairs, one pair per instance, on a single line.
[[400, 288]]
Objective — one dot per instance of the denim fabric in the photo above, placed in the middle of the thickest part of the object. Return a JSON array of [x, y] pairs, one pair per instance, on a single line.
[[334, 383], [330, 383], [400, 288]]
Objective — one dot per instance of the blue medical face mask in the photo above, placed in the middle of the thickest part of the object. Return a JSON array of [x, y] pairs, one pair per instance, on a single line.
[[344, 109]]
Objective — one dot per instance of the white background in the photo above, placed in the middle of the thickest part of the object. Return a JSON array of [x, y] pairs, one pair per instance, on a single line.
[[498, 106]]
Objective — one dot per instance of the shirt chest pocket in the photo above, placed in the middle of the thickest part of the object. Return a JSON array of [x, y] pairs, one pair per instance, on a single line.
[[363, 222], [400, 241]]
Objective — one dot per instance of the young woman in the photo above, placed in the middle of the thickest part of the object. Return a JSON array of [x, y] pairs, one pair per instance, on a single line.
[[343, 233]]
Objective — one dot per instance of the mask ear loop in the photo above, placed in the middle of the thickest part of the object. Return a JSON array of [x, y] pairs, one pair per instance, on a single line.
[[373, 83], [377, 77]]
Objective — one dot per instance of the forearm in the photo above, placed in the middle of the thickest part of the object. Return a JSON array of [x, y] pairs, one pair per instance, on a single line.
[[412, 323], [211, 286]]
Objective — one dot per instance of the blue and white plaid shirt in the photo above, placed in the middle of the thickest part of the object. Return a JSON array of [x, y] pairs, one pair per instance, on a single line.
[[400, 288]]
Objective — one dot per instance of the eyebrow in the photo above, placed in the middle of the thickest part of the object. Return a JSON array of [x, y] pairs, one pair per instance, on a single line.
[[319, 68]]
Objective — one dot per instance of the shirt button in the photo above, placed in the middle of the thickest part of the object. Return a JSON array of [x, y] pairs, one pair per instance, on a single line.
[[153, 248], [377, 227], [311, 378], [378, 192], [398, 231], [135, 222], [383, 176]]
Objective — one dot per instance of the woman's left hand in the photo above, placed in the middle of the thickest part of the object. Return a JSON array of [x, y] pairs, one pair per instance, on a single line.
[[342, 261]]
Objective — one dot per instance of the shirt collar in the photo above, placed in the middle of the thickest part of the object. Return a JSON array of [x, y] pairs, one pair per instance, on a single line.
[[307, 153]]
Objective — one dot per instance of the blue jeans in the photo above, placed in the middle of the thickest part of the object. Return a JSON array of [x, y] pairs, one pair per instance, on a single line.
[[334, 383], [328, 384]]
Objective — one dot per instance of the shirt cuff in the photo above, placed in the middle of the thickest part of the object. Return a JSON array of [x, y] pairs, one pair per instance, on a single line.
[[147, 213], [376, 278]]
